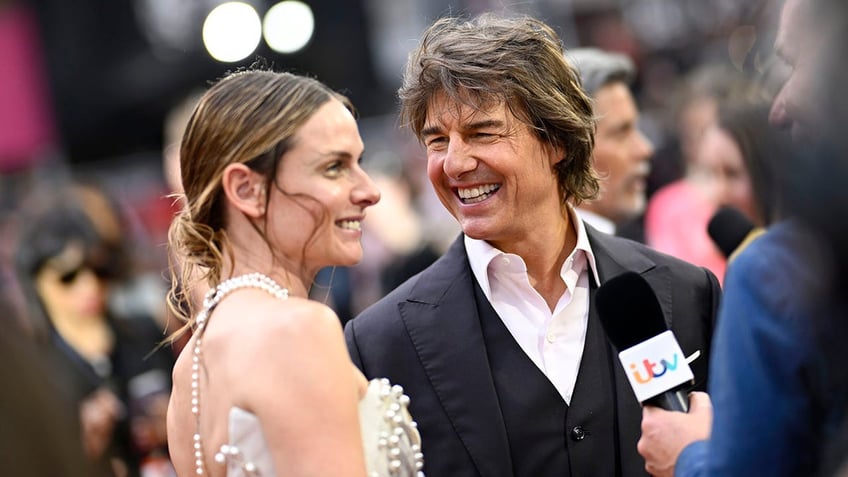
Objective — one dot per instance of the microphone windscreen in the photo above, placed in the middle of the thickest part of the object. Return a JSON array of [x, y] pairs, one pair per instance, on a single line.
[[629, 310], [728, 229]]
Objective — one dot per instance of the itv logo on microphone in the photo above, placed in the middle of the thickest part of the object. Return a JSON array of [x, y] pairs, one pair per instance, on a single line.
[[655, 366], [653, 370]]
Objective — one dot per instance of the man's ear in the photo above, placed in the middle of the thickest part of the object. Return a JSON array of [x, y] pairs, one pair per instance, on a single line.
[[556, 154], [245, 189]]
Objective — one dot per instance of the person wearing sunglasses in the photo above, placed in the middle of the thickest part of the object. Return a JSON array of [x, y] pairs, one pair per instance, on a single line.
[[68, 263]]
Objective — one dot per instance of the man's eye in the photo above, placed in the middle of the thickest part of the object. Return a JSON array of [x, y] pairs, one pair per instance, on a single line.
[[436, 141], [334, 167]]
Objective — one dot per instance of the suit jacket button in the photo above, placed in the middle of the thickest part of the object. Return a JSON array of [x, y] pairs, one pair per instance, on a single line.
[[578, 433]]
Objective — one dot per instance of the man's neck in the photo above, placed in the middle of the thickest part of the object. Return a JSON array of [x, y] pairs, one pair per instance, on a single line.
[[599, 222], [544, 257]]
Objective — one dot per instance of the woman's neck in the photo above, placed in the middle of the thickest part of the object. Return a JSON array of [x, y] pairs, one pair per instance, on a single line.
[[283, 275]]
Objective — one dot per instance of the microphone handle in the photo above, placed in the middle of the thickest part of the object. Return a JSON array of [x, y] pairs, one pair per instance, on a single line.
[[673, 400]]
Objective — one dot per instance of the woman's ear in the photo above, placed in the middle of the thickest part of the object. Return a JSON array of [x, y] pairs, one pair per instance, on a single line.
[[244, 189]]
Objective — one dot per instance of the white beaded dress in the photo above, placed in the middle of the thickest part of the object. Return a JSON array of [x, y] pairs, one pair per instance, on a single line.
[[390, 439]]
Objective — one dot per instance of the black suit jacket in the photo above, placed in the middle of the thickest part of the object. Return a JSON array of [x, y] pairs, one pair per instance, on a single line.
[[426, 336]]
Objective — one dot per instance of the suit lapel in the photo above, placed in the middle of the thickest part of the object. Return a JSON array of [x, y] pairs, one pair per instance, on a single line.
[[442, 320]]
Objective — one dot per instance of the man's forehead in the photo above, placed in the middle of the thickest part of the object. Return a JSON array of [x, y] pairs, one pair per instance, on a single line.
[[443, 108]]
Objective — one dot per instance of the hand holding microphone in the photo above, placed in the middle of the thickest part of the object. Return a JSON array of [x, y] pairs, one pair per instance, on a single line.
[[665, 434]]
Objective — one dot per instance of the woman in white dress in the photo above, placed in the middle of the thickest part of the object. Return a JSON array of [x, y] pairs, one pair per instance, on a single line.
[[274, 191]]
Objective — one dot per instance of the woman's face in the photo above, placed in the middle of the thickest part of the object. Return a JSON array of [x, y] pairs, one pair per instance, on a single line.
[[320, 214], [730, 182], [72, 289]]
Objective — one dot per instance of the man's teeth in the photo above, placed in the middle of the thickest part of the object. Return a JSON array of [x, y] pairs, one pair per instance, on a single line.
[[350, 224], [472, 195]]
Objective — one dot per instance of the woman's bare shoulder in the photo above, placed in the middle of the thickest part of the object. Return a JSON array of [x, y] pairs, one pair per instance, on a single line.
[[266, 328], [294, 317]]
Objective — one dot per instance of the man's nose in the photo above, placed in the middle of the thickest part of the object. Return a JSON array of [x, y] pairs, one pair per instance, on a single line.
[[644, 147], [458, 159], [778, 115]]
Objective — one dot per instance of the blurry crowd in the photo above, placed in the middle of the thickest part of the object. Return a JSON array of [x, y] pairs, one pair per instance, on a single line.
[[83, 270], [77, 303]]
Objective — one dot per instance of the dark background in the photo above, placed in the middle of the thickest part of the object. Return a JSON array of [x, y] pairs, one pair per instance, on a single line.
[[112, 77], [111, 89]]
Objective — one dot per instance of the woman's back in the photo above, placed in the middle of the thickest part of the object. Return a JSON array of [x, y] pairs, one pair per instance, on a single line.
[[284, 362]]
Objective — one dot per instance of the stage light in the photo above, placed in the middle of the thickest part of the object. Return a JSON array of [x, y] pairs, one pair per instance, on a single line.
[[288, 26], [232, 31]]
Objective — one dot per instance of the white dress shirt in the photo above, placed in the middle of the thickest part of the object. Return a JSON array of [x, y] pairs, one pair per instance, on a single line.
[[553, 341]]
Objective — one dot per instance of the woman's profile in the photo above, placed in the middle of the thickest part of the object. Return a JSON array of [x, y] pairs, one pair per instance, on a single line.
[[274, 191]]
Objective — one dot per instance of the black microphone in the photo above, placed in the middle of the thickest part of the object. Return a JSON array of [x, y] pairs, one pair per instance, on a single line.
[[648, 351], [729, 228]]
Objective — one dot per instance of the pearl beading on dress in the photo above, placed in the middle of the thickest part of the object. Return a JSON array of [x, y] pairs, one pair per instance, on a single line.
[[213, 297], [398, 427]]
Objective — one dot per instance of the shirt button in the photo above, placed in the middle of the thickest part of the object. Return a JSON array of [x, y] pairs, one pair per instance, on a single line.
[[505, 260], [550, 337], [578, 433]]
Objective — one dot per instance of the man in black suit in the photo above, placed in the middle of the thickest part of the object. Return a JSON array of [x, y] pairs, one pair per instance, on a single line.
[[498, 343]]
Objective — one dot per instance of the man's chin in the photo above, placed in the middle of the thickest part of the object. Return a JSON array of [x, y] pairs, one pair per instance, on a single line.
[[634, 209]]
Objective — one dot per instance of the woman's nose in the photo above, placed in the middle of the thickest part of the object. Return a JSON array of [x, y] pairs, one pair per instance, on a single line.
[[366, 192]]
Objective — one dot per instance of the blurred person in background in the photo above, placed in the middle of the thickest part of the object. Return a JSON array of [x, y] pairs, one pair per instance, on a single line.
[[172, 132], [734, 164], [173, 129], [678, 212], [779, 390], [745, 161], [71, 253], [622, 154], [755, 159]]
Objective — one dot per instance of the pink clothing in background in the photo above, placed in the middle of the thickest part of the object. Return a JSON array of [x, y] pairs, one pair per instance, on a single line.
[[676, 223], [26, 112]]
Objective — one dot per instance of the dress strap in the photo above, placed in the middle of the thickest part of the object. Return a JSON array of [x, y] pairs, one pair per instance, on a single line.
[[212, 299]]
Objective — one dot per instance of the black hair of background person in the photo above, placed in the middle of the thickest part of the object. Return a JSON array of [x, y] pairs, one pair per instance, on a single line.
[[44, 235], [765, 152], [39, 435]]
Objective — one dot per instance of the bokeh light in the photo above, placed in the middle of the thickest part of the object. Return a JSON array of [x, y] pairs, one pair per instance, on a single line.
[[288, 26], [232, 31]]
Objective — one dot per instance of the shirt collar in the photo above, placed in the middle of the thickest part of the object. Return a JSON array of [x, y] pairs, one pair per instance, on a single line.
[[481, 253], [600, 222], [583, 243]]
